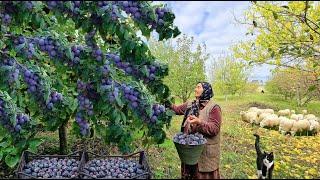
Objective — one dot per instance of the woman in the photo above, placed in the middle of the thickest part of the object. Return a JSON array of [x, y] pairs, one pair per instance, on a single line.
[[205, 117]]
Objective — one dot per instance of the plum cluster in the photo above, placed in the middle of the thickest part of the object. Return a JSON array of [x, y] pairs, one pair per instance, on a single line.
[[189, 139], [131, 95], [21, 119], [113, 91], [5, 18], [14, 71], [113, 10], [33, 82], [89, 38], [105, 68], [29, 49], [76, 6], [160, 15], [28, 4], [76, 50], [157, 110], [85, 104], [133, 8], [87, 93], [113, 168], [55, 97], [54, 4], [97, 54], [49, 46], [132, 70], [52, 168], [83, 124], [4, 118]]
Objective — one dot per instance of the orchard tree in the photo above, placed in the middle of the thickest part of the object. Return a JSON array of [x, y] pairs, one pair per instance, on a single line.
[[293, 84], [229, 75], [285, 34], [186, 66], [81, 61]]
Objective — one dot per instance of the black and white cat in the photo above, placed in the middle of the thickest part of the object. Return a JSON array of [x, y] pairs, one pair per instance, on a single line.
[[265, 163]]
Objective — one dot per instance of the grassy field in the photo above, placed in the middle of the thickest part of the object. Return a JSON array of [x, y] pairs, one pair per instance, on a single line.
[[295, 157]]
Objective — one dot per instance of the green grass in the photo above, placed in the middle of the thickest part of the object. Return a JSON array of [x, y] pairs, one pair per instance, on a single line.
[[295, 157]]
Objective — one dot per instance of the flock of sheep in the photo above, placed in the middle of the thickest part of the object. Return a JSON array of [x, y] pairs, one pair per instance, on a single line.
[[286, 120]]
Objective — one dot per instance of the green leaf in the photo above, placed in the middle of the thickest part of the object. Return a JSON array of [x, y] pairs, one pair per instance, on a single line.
[[21, 144], [119, 102], [12, 53], [34, 143], [4, 144], [11, 150], [123, 117], [170, 113], [12, 161], [100, 130]]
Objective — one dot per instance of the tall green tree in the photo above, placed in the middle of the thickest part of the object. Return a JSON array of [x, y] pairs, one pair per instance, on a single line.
[[81, 61], [186, 66], [229, 75]]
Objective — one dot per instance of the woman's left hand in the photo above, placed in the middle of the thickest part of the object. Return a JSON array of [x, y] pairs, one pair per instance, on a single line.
[[194, 120]]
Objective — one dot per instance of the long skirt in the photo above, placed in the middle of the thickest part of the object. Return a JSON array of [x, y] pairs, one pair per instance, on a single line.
[[192, 172]]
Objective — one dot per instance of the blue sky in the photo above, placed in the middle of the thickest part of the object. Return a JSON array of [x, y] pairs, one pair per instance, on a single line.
[[212, 22]]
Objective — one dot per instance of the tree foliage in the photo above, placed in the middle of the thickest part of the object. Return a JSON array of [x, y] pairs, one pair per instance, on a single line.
[[186, 66], [285, 34], [294, 85], [229, 75], [82, 61]]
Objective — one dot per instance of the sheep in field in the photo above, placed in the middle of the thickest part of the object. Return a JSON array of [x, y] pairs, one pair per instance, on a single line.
[[285, 124], [285, 112]]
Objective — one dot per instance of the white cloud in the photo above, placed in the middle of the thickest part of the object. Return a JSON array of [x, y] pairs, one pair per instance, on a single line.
[[219, 30]]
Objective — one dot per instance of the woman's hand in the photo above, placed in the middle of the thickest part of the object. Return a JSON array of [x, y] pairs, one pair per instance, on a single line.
[[194, 120]]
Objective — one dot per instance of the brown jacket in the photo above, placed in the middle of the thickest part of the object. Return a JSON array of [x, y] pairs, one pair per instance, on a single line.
[[210, 128]]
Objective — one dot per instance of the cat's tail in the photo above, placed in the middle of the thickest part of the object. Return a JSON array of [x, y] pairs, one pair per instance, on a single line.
[[256, 144]]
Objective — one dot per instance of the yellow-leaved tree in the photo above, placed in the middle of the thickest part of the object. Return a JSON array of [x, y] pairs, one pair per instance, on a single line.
[[285, 34]]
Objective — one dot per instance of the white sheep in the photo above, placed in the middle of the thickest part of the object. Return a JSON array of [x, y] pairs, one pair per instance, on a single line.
[[285, 124], [250, 116], [253, 109], [285, 112], [262, 116], [304, 111], [309, 116], [269, 121], [299, 126], [296, 116], [314, 126], [271, 111], [243, 116]]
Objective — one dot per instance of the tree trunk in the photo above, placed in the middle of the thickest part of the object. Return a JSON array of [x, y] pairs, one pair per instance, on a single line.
[[298, 98], [63, 139]]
